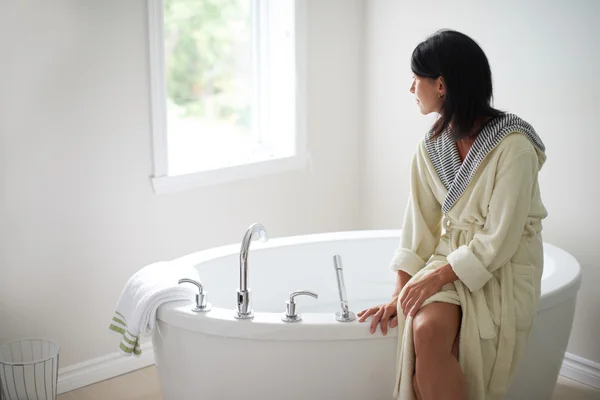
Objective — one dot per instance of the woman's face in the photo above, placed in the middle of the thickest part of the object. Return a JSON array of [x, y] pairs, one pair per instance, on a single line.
[[427, 93]]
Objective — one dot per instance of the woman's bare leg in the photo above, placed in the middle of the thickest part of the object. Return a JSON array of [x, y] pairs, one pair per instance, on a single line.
[[438, 374], [414, 382], [416, 388]]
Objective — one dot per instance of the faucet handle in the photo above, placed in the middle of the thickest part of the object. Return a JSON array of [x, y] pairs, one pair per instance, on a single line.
[[290, 309], [201, 304]]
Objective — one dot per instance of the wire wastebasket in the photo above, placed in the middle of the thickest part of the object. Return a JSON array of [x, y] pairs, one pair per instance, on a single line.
[[29, 369]]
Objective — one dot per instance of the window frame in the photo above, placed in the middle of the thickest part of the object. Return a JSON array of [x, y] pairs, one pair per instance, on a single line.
[[164, 183]]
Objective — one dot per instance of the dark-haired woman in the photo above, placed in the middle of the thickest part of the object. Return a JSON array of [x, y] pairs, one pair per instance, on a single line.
[[470, 259]]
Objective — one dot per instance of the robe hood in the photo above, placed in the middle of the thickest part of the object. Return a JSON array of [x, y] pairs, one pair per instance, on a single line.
[[456, 175], [509, 123]]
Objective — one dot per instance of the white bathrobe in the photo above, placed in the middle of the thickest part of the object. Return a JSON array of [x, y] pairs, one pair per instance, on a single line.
[[490, 210]]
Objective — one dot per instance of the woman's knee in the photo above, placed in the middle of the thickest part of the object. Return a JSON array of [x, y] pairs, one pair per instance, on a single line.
[[426, 334], [435, 328]]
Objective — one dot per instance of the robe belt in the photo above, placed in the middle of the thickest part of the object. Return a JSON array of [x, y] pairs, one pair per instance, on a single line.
[[451, 227], [487, 330]]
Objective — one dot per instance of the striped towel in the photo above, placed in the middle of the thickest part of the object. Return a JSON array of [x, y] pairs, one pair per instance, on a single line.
[[145, 291]]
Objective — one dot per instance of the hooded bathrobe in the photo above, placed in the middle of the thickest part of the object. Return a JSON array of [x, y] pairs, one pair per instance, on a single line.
[[483, 217]]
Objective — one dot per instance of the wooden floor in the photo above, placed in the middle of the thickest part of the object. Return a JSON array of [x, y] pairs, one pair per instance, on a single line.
[[143, 385]]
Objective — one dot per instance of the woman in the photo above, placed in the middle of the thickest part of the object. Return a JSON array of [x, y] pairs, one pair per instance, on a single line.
[[470, 258]]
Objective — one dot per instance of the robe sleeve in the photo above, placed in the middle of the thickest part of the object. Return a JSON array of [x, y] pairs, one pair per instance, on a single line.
[[421, 228], [506, 219]]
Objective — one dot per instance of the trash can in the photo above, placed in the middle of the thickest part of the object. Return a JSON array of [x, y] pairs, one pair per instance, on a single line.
[[29, 369]]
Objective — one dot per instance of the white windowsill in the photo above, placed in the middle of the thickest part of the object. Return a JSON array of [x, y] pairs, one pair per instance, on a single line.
[[169, 184]]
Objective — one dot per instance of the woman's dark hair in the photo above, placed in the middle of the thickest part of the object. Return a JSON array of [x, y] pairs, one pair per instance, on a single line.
[[466, 72]]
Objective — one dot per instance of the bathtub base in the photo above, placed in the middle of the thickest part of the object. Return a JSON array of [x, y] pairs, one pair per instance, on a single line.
[[543, 357], [197, 366], [193, 365]]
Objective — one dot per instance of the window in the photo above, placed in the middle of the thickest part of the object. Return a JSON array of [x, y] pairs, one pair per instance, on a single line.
[[227, 87]]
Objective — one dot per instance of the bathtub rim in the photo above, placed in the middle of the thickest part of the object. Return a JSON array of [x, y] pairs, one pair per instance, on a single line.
[[562, 284]]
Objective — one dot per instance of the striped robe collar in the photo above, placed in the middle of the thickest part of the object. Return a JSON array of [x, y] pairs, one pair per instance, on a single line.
[[445, 158]]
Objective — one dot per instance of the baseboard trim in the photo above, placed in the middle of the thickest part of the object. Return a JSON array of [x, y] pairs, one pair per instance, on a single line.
[[581, 370], [102, 368]]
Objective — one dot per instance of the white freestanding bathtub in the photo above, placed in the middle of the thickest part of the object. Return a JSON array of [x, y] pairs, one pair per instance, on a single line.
[[213, 355]]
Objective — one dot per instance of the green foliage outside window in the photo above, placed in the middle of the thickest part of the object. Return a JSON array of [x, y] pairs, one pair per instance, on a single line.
[[203, 39]]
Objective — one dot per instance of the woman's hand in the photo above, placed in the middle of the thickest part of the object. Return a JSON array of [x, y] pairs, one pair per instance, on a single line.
[[381, 313], [384, 312], [416, 293]]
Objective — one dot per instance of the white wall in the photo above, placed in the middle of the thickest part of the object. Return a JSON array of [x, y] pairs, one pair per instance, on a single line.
[[545, 61], [79, 215]]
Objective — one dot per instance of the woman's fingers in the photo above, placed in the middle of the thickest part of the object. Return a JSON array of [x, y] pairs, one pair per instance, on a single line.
[[405, 301], [384, 315], [406, 296], [416, 306], [403, 297], [363, 315], [389, 311], [410, 302], [376, 319]]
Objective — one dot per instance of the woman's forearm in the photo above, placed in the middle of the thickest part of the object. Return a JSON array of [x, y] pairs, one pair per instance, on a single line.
[[401, 279]]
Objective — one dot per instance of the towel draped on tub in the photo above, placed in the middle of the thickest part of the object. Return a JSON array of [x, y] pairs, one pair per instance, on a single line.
[[144, 292]]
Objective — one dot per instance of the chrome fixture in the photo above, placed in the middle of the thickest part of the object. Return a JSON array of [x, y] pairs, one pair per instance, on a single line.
[[244, 303], [290, 314], [345, 315], [201, 304]]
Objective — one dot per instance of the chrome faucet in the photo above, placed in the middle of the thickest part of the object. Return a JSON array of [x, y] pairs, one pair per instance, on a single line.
[[244, 304]]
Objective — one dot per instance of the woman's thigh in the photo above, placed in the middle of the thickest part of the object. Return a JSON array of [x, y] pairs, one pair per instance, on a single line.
[[436, 327]]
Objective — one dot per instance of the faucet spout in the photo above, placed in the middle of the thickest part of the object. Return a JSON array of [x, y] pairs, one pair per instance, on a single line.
[[244, 308]]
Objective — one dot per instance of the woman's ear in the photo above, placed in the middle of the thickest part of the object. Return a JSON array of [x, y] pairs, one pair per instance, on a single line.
[[441, 87]]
